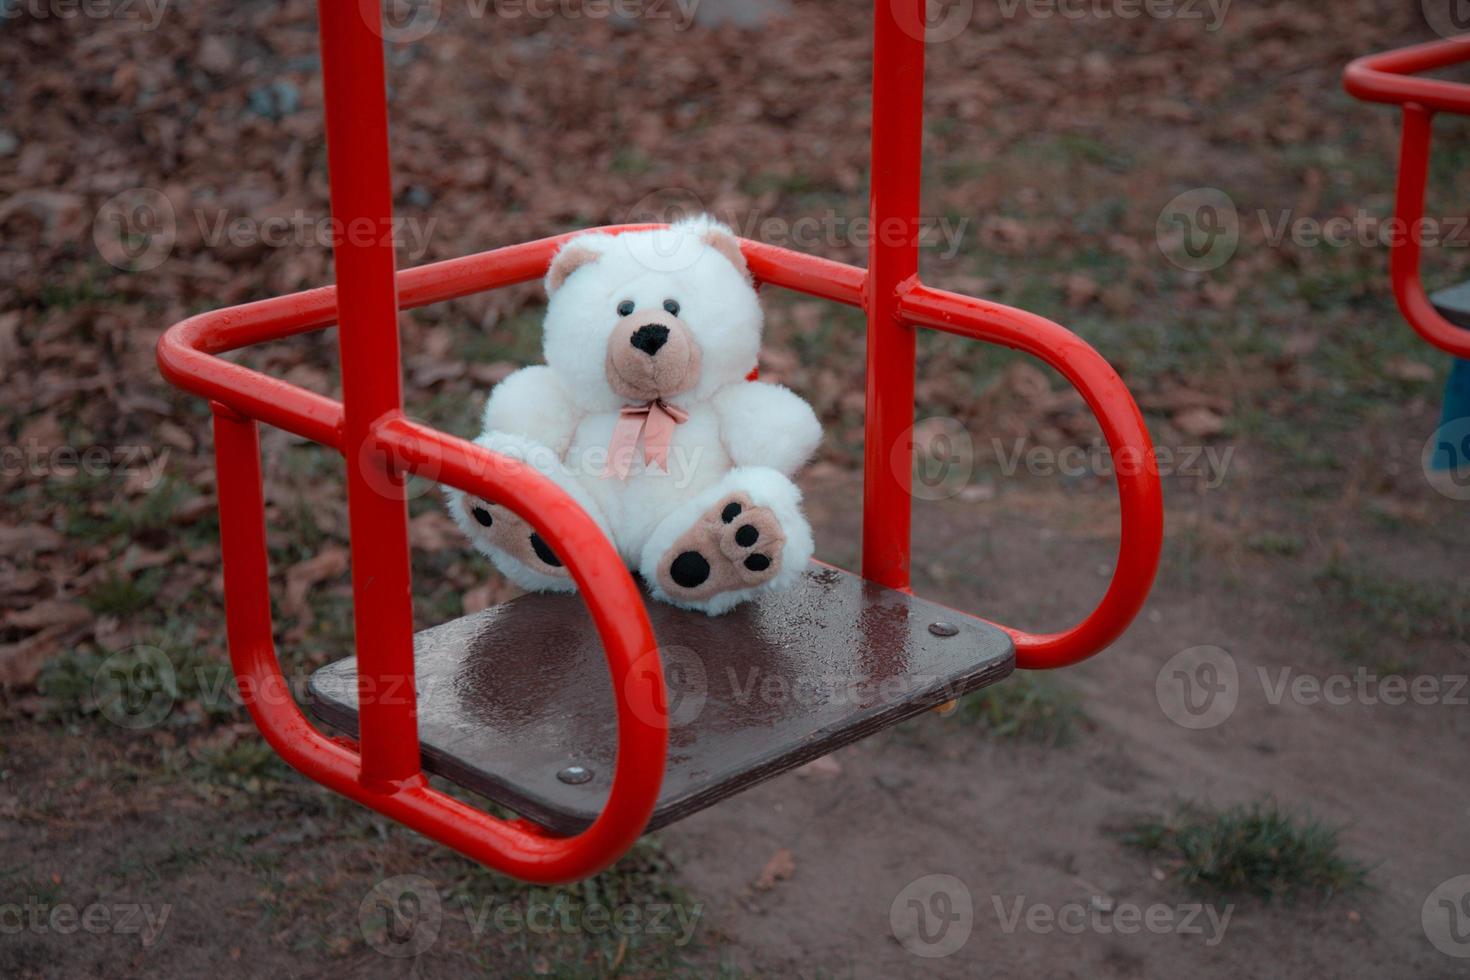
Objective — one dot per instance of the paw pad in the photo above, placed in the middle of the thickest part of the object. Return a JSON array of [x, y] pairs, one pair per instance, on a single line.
[[690, 570], [735, 545]]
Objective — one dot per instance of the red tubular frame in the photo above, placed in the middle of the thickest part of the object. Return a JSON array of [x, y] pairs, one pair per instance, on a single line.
[[1389, 78], [382, 448]]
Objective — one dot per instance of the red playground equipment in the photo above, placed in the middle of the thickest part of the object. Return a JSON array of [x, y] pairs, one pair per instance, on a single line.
[[1443, 319], [515, 702], [1389, 77]]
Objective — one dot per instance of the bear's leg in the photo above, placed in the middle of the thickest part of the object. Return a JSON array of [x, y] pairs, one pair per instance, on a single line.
[[741, 537], [514, 547]]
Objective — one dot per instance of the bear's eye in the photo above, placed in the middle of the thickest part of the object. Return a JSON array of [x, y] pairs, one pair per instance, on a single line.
[[671, 306], [625, 307]]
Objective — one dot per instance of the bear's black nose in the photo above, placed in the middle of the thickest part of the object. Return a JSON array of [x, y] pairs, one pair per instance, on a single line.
[[649, 338]]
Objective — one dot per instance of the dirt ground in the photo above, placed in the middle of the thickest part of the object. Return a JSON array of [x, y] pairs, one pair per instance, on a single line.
[[1310, 565]]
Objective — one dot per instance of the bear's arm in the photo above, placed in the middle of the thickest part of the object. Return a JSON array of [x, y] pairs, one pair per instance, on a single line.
[[767, 425], [532, 403]]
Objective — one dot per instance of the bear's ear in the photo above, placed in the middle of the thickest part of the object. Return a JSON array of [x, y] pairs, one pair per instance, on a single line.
[[571, 258], [723, 242]]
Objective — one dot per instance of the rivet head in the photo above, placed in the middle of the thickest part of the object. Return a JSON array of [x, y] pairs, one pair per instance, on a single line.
[[943, 629], [575, 775]]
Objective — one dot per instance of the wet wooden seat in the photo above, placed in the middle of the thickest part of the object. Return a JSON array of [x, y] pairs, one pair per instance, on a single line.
[[516, 704]]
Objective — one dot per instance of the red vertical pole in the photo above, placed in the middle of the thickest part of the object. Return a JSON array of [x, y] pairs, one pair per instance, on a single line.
[[893, 265], [367, 316]]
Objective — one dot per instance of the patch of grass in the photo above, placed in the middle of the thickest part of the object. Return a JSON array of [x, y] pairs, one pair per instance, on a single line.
[[630, 161], [1401, 608], [247, 763], [1253, 849], [41, 890], [1275, 543], [86, 291], [82, 682], [515, 338], [151, 513], [1027, 707], [660, 919], [121, 594]]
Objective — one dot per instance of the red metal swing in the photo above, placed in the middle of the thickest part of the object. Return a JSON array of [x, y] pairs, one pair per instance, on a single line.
[[885, 633], [1389, 77]]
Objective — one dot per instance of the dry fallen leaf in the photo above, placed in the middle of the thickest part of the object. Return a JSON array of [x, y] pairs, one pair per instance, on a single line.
[[780, 867], [434, 531], [52, 612], [480, 597], [21, 662], [1408, 369], [17, 541], [827, 767], [330, 562], [1199, 422]]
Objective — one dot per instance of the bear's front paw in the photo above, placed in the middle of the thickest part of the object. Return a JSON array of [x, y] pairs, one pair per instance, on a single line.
[[734, 545], [505, 531]]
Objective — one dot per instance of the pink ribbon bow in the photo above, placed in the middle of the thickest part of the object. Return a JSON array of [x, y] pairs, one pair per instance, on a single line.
[[654, 421]]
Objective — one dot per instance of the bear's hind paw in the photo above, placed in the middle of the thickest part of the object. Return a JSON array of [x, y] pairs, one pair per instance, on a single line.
[[501, 529], [734, 546]]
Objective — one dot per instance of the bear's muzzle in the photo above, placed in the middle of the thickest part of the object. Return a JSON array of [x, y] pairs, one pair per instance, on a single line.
[[652, 354]]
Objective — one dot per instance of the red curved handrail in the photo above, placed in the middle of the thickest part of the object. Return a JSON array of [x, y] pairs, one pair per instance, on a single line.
[[617, 610], [1387, 77], [1134, 463]]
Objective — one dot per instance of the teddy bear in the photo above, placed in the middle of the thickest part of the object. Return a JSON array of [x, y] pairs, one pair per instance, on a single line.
[[645, 414]]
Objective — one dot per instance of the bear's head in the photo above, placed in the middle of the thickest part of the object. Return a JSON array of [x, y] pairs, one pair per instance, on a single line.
[[666, 314]]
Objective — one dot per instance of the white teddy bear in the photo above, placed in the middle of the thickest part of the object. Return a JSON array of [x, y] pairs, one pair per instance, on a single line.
[[644, 415]]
